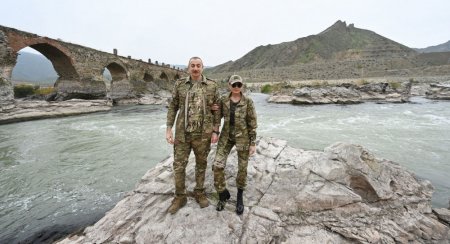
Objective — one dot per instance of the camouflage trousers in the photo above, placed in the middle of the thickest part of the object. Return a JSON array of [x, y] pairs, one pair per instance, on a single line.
[[223, 150], [182, 150]]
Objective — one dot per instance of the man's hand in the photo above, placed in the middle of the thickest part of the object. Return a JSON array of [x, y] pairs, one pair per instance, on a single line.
[[169, 135], [215, 107], [214, 138], [252, 150]]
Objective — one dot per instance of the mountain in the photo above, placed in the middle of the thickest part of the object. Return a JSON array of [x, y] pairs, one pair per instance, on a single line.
[[338, 42], [444, 47], [33, 68]]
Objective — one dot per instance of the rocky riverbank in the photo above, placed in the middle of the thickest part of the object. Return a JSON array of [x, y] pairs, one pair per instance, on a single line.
[[343, 194], [20, 110], [347, 94], [352, 91], [23, 110]]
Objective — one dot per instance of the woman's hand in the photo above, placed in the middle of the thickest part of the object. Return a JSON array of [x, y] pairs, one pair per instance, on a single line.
[[252, 150]]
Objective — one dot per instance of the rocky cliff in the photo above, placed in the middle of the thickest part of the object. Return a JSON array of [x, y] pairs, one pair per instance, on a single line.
[[343, 194]]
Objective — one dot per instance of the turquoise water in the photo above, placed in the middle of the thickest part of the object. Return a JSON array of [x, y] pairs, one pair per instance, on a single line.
[[71, 170]]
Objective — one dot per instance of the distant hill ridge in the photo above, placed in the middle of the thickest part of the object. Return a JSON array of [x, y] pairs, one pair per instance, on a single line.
[[444, 47]]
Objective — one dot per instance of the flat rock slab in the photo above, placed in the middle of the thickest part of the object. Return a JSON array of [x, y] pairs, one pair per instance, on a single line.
[[17, 111]]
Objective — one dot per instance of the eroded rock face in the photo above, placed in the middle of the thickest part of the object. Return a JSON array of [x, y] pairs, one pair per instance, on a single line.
[[341, 195], [438, 92], [6, 90]]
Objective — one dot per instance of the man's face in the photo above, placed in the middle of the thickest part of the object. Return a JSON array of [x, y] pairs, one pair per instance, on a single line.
[[195, 68]]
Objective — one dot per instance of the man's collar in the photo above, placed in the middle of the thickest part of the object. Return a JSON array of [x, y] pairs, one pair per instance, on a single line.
[[189, 79]]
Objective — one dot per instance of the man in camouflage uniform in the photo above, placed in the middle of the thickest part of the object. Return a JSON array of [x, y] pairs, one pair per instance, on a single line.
[[192, 98], [239, 130]]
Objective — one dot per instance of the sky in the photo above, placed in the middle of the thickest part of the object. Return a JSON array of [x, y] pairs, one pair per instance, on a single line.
[[172, 31]]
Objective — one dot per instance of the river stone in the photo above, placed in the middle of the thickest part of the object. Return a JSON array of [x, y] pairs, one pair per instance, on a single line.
[[343, 194]]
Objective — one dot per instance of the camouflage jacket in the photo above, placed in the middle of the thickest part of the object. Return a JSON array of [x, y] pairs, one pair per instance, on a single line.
[[245, 122], [206, 94]]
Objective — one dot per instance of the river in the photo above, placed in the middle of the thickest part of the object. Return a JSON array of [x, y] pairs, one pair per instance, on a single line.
[[58, 175]]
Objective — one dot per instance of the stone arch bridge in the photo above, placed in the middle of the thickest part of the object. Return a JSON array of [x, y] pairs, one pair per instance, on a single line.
[[80, 69]]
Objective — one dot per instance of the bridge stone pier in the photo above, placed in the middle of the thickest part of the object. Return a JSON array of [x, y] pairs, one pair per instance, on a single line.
[[80, 69]]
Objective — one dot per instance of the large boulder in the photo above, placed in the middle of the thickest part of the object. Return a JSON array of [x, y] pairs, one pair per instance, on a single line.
[[438, 92], [343, 194], [326, 95]]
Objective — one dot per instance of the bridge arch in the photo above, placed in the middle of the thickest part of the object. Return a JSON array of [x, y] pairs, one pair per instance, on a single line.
[[26, 70], [57, 54], [148, 77], [163, 76], [62, 62], [117, 71]]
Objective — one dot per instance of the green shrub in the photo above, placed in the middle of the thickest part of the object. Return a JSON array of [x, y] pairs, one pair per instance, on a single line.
[[395, 85], [23, 90], [44, 91], [267, 88]]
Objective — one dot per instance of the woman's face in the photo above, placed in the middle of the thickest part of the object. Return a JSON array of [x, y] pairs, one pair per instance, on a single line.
[[236, 87]]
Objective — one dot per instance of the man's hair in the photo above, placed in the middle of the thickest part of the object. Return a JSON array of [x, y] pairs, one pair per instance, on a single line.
[[189, 63]]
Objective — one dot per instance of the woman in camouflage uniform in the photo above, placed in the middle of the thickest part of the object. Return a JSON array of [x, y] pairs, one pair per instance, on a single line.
[[239, 130]]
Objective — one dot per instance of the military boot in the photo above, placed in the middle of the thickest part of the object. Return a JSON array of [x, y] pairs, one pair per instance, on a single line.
[[223, 198], [177, 203], [200, 197], [240, 202]]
